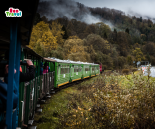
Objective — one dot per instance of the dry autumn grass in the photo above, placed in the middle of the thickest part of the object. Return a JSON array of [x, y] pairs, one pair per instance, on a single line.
[[114, 102]]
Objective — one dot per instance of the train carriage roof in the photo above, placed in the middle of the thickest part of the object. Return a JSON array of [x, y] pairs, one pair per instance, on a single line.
[[49, 59], [53, 59], [30, 52], [28, 8]]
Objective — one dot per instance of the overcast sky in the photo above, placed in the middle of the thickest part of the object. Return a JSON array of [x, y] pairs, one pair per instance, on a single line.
[[142, 7]]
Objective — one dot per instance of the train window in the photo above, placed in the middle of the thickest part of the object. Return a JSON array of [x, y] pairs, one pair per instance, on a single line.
[[74, 69], [92, 68], [79, 70], [66, 70], [62, 71]]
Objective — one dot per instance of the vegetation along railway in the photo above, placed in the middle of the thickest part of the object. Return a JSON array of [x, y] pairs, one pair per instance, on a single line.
[[14, 36]]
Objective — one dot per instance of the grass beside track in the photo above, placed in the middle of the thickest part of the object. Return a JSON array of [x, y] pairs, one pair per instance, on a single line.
[[106, 101]]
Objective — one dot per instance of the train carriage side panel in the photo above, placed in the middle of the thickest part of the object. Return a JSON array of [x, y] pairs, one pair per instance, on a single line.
[[63, 74], [86, 70], [76, 72], [97, 70]]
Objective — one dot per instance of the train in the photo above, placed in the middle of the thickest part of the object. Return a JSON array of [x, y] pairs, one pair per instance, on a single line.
[[61, 72], [15, 33]]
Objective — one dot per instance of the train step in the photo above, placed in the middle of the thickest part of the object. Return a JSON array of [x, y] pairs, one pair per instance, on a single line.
[[47, 93], [38, 105], [39, 110], [32, 127], [52, 92], [48, 96], [42, 101], [30, 122]]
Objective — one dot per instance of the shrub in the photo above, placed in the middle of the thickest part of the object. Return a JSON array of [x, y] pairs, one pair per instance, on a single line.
[[125, 71], [104, 66], [134, 69]]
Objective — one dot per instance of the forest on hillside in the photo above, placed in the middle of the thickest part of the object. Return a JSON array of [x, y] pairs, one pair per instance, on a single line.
[[131, 39]]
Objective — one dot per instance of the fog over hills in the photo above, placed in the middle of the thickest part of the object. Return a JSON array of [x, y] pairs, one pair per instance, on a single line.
[[53, 9], [138, 8], [59, 8]]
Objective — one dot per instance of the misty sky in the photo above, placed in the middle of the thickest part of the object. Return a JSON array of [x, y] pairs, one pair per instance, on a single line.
[[132, 7]]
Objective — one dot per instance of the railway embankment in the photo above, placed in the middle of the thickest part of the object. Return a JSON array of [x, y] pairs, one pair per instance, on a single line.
[[109, 100]]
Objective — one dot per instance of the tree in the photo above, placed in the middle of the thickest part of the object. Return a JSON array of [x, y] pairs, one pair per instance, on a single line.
[[122, 41], [90, 29], [138, 54], [115, 35], [70, 29], [102, 29], [106, 60], [74, 50], [140, 19], [143, 37], [98, 43], [49, 42], [42, 40], [65, 36], [121, 61], [37, 33], [73, 37], [44, 19], [57, 32], [127, 30], [148, 57], [58, 53], [129, 59], [105, 35], [150, 48]]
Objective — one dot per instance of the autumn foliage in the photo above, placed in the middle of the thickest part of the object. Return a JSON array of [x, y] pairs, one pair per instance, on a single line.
[[115, 48]]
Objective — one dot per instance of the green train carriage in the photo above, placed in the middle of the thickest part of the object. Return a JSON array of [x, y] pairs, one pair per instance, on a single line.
[[67, 71], [76, 71]]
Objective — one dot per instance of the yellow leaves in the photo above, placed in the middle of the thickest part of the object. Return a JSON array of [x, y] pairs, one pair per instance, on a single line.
[[57, 32], [73, 37], [138, 54], [79, 108], [49, 41], [89, 109], [44, 40], [75, 50]]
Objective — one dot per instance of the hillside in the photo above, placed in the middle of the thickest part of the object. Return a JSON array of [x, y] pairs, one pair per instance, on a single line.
[[113, 39]]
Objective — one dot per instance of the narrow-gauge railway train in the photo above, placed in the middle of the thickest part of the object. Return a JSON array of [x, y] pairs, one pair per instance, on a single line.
[[60, 73], [15, 34]]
